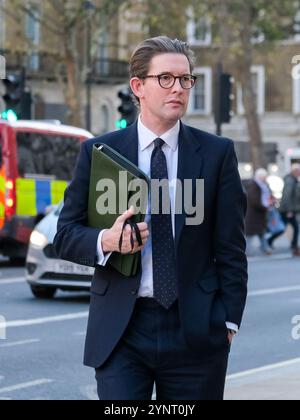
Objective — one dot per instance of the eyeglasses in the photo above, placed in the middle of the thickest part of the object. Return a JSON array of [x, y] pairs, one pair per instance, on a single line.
[[167, 81]]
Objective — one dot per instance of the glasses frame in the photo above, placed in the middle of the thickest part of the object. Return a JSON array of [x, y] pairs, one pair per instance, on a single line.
[[159, 77]]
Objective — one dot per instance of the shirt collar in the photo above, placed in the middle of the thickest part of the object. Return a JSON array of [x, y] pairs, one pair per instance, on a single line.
[[147, 137]]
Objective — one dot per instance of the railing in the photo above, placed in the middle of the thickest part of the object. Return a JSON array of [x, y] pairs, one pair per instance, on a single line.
[[44, 66], [113, 69]]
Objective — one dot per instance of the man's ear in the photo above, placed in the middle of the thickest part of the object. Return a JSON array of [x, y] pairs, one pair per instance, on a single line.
[[137, 87]]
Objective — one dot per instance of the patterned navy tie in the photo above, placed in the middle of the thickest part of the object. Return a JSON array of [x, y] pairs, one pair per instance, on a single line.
[[163, 247]]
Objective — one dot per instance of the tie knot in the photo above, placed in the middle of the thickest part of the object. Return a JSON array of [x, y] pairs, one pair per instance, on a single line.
[[158, 143]]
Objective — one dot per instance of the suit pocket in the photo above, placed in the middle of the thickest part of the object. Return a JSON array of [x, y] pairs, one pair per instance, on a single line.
[[99, 286], [209, 284]]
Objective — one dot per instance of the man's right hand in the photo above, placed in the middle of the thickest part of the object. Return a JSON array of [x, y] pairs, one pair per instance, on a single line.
[[111, 238]]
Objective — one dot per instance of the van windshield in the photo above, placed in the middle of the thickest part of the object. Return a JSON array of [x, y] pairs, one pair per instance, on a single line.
[[47, 155]]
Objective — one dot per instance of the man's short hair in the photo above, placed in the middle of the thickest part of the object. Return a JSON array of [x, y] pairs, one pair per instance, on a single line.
[[144, 53]]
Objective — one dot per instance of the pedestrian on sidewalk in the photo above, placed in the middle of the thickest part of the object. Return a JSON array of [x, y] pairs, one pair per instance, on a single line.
[[172, 324], [259, 203], [290, 205], [276, 226]]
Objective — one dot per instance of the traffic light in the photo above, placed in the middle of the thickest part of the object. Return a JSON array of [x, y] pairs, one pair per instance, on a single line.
[[226, 98], [25, 106], [17, 100], [9, 115], [127, 109], [223, 98]]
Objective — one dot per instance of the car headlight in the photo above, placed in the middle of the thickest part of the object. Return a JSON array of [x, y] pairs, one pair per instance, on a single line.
[[38, 240]]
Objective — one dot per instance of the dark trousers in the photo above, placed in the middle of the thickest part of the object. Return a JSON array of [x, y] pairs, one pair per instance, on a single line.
[[294, 223], [153, 351]]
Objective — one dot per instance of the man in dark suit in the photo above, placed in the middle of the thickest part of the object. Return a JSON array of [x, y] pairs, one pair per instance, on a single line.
[[173, 323]]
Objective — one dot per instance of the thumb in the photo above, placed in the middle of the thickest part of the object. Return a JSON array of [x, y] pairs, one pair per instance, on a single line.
[[127, 215]]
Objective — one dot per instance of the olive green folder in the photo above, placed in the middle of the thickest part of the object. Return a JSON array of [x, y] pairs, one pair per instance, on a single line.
[[119, 175]]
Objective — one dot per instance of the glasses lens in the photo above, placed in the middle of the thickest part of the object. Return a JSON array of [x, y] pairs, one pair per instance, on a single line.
[[166, 80], [187, 82]]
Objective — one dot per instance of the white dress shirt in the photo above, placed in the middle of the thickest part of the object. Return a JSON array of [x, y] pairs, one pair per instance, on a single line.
[[146, 146]]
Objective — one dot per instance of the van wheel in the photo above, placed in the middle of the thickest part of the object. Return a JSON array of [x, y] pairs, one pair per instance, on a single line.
[[43, 292]]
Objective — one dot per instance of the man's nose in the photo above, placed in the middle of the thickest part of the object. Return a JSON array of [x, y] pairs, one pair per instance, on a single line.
[[177, 86]]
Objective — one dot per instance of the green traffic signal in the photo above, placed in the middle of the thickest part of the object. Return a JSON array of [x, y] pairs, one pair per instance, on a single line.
[[127, 109], [121, 124], [9, 115]]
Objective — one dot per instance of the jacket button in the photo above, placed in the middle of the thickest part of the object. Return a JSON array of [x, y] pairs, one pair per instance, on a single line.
[[134, 292]]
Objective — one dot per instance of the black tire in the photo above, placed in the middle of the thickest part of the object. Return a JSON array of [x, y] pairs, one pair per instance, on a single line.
[[43, 292]]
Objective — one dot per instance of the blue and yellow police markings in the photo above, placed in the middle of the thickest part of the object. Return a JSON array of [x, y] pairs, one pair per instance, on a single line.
[[34, 196]]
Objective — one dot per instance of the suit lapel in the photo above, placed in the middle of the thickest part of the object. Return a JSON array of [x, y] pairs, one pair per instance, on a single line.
[[128, 144], [189, 168]]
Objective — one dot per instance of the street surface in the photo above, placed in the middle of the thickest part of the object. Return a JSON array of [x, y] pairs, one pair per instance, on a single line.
[[41, 358]]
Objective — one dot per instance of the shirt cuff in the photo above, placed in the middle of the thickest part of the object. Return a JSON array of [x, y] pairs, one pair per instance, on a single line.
[[102, 259], [231, 326]]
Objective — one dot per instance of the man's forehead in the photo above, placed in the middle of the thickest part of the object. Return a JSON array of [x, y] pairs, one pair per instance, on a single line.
[[170, 63]]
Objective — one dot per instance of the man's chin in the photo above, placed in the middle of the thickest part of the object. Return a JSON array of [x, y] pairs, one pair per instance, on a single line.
[[175, 116]]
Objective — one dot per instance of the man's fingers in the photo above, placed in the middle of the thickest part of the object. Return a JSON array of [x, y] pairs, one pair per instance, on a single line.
[[145, 235], [142, 226], [126, 249], [130, 233], [128, 229], [127, 215], [138, 249]]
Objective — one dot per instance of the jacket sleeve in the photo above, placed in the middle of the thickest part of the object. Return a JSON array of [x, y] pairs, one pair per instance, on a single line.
[[230, 243], [75, 241], [288, 199]]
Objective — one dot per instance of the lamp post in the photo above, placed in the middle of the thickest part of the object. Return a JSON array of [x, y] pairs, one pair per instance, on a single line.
[[89, 7]]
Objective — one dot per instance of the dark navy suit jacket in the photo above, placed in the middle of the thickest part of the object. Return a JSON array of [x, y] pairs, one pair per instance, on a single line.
[[211, 260]]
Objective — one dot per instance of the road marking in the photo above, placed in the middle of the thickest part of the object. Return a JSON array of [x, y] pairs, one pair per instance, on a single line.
[[262, 369], [275, 291], [20, 343], [46, 320], [279, 257], [25, 385], [13, 280]]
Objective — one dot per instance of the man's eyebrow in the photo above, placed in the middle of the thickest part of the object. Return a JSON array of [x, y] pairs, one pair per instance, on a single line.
[[172, 74]]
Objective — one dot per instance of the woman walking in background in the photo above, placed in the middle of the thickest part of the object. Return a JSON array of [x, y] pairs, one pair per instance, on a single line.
[[259, 202]]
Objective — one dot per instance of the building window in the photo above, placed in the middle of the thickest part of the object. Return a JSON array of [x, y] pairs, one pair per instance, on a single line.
[[297, 26], [102, 64], [199, 30], [33, 36], [201, 95], [259, 84], [296, 89]]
